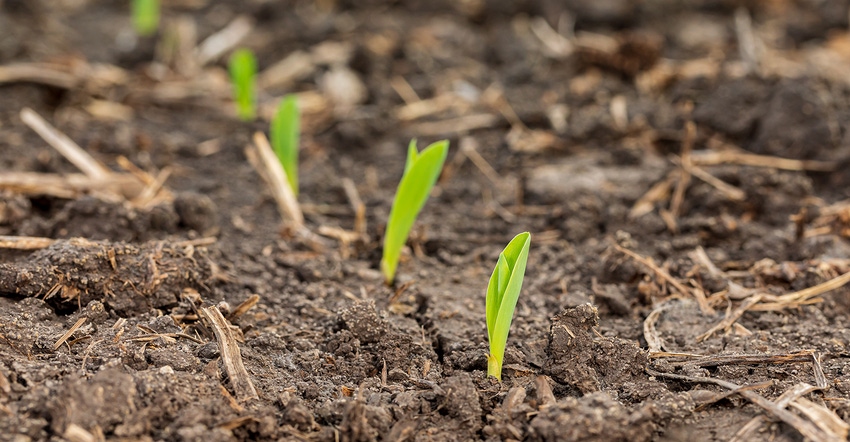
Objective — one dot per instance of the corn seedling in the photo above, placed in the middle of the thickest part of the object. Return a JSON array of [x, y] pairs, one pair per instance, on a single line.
[[145, 16], [502, 294], [243, 70], [420, 173], [284, 132]]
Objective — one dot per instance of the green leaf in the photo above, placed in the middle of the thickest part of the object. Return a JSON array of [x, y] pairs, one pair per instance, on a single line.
[[243, 70], [285, 132], [421, 172], [412, 154], [502, 295], [495, 290], [145, 16]]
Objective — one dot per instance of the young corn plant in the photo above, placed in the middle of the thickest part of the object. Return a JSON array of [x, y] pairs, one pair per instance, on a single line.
[[502, 294], [145, 14], [243, 70], [420, 173], [285, 132]]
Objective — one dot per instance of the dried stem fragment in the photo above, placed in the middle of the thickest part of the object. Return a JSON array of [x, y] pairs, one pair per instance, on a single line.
[[230, 355]]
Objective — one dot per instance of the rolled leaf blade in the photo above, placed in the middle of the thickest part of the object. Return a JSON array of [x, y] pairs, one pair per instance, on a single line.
[[285, 133], [243, 70], [412, 154], [516, 257], [495, 290], [498, 279], [413, 190], [504, 275], [145, 16]]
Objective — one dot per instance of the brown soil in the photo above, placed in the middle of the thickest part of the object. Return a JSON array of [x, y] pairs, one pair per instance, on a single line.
[[580, 127]]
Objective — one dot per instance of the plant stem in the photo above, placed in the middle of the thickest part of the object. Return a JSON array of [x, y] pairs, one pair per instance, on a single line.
[[494, 367]]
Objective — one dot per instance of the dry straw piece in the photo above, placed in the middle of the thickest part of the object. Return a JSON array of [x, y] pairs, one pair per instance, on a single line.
[[263, 159], [231, 357]]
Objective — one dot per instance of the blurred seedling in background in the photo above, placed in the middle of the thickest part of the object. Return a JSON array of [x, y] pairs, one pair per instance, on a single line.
[[502, 295], [243, 73], [285, 132], [420, 174], [145, 16]]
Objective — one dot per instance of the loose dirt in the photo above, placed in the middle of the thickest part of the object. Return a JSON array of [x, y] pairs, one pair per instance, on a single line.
[[680, 165]]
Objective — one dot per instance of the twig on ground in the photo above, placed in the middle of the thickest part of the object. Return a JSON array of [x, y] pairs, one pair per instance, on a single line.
[[345, 238], [495, 97], [734, 155], [25, 242], [243, 307], [805, 296], [684, 291], [650, 333], [660, 191], [748, 43], [732, 317], [76, 433], [153, 193], [152, 335], [65, 146], [468, 146], [198, 242], [531, 140], [13, 346], [691, 164], [404, 90], [234, 405], [68, 333], [423, 108], [730, 191], [296, 65], [224, 40], [87, 353], [700, 257], [493, 204], [454, 126], [109, 110], [822, 417], [720, 396], [38, 73], [719, 360], [684, 181], [619, 112], [783, 401], [807, 428], [556, 45], [230, 355], [820, 377], [114, 188], [267, 165]]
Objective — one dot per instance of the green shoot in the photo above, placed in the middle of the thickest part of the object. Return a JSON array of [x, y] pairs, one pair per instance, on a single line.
[[145, 16], [502, 294], [284, 132], [243, 69], [420, 174]]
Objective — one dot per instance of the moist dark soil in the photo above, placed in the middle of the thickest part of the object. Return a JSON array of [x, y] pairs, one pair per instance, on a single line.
[[675, 163]]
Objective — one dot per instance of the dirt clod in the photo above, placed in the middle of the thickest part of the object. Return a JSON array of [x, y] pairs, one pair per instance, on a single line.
[[595, 417], [461, 401], [197, 212], [103, 401]]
